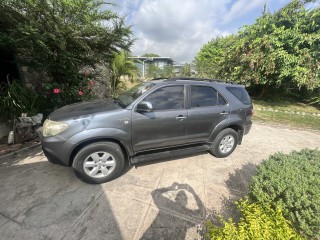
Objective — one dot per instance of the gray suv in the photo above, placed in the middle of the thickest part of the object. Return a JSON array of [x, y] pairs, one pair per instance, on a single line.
[[153, 120]]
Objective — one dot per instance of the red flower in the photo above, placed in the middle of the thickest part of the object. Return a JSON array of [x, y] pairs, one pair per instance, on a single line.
[[91, 83], [80, 93], [56, 90]]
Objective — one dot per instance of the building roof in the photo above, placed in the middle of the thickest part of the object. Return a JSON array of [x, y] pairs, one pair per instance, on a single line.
[[152, 58]]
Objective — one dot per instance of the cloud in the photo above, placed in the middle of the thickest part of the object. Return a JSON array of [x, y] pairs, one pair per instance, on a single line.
[[179, 28], [242, 7]]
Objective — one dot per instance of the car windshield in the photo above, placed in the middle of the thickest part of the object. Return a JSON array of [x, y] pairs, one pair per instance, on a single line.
[[126, 98]]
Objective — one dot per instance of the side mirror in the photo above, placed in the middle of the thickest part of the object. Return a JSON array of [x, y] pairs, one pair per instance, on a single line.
[[144, 107]]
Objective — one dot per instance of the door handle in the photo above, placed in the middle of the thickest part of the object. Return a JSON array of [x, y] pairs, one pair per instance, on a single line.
[[180, 118], [224, 113]]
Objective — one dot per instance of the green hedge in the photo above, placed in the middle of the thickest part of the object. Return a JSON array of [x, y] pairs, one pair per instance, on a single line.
[[292, 181], [256, 223]]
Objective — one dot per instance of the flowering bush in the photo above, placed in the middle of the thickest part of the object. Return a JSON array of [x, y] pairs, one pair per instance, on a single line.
[[60, 94], [56, 90]]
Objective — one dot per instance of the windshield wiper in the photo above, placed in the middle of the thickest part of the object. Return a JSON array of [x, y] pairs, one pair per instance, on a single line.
[[117, 100]]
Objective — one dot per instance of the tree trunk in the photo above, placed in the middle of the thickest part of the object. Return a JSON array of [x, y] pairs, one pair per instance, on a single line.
[[264, 90]]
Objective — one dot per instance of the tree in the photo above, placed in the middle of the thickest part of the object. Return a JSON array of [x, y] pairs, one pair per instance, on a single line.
[[167, 71], [209, 61], [186, 70], [153, 71], [150, 55], [278, 50], [60, 37], [121, 66]]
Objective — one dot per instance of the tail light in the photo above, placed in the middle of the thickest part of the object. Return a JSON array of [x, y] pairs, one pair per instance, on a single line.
[[250, 112]]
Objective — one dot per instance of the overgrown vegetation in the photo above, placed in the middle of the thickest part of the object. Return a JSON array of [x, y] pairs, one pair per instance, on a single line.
[[60, 38], [292, 182], [16, 99], [280, 50], [121, 66], [256, 223], [153, 71], [283, 203]]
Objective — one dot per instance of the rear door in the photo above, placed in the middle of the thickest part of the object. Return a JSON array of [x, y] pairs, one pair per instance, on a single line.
[[166, 126], [207, 108]]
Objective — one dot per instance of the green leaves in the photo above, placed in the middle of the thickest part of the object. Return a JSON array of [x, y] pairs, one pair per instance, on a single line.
[[256, 223], [292, 182], [60, 37], [280, 49], [121, 66], [16, 99]]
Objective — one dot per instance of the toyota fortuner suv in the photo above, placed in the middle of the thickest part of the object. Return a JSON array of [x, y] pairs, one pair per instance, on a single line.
[[154, 120]]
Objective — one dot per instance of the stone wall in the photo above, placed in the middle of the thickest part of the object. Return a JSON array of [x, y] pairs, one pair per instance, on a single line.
[[33, 79], [4, 129], [101, 87]]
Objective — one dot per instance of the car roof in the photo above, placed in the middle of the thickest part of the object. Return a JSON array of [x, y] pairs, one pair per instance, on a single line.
[[193, 80]]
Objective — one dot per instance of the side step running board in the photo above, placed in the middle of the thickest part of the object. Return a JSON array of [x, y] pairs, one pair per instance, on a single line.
[[168, 154]]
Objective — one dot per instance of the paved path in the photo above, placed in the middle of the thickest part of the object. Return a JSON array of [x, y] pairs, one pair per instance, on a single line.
[[163, 200]]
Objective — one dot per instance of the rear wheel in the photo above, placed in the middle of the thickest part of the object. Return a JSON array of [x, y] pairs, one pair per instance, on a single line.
[[225, 143], [99, 162]]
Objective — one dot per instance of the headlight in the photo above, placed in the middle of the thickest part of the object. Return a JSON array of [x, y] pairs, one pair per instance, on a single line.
[[52, 128]]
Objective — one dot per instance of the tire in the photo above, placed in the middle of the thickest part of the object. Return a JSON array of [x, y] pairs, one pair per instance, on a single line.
[[225, 143], [99, 162]]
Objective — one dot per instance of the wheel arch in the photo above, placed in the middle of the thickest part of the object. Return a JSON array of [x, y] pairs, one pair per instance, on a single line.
[[90, 141], [239, 129], [236, 127]]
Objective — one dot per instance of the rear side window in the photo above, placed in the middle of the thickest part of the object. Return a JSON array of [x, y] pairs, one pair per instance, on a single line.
[[202, 96], [241, 94]]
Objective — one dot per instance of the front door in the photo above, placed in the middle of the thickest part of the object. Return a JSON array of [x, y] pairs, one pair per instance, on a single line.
[[164, 127]]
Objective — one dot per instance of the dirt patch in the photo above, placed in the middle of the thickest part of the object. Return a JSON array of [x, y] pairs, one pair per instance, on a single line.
[[9, 148]]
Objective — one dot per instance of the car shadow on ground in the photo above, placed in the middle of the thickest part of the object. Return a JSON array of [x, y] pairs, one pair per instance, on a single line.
[[40, 200], [168, 159]]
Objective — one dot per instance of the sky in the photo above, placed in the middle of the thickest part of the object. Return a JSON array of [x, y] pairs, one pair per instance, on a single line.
[[179, 28]]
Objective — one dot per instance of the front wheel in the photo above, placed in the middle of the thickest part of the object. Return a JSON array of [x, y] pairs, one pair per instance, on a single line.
[[225, 143], [99, 162]]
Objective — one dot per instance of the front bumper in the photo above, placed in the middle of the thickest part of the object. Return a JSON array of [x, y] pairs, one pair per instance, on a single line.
[[56, 150]]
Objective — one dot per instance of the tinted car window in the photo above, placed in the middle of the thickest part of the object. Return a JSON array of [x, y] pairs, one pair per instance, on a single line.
[[129, 96], [167, 98], [202, 96], [241, 94]]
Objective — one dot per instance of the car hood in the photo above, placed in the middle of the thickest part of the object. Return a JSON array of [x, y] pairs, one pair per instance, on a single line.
[[84, 109]]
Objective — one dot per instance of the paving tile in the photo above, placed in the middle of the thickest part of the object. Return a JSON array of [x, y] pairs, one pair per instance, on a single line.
[[163, 225], [110, 217]]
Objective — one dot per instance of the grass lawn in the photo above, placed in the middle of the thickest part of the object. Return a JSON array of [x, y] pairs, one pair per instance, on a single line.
[[287, 112]]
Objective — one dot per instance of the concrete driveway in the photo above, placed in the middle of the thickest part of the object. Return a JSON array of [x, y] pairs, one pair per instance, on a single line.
[[162, 200]]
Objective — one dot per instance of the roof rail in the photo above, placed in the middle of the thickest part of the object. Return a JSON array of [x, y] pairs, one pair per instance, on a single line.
[[160, 78], [198, 79]]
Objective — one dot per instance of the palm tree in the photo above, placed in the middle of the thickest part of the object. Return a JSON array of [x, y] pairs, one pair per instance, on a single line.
[[186, 70], [119, 67]]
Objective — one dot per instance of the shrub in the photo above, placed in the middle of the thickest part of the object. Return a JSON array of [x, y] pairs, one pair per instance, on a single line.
[[292, 181], [256, 223], [15, 99], [76, 90]]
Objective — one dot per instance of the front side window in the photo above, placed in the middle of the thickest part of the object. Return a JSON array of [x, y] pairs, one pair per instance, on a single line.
[[202, 96], [126, 98], [167, 98]]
